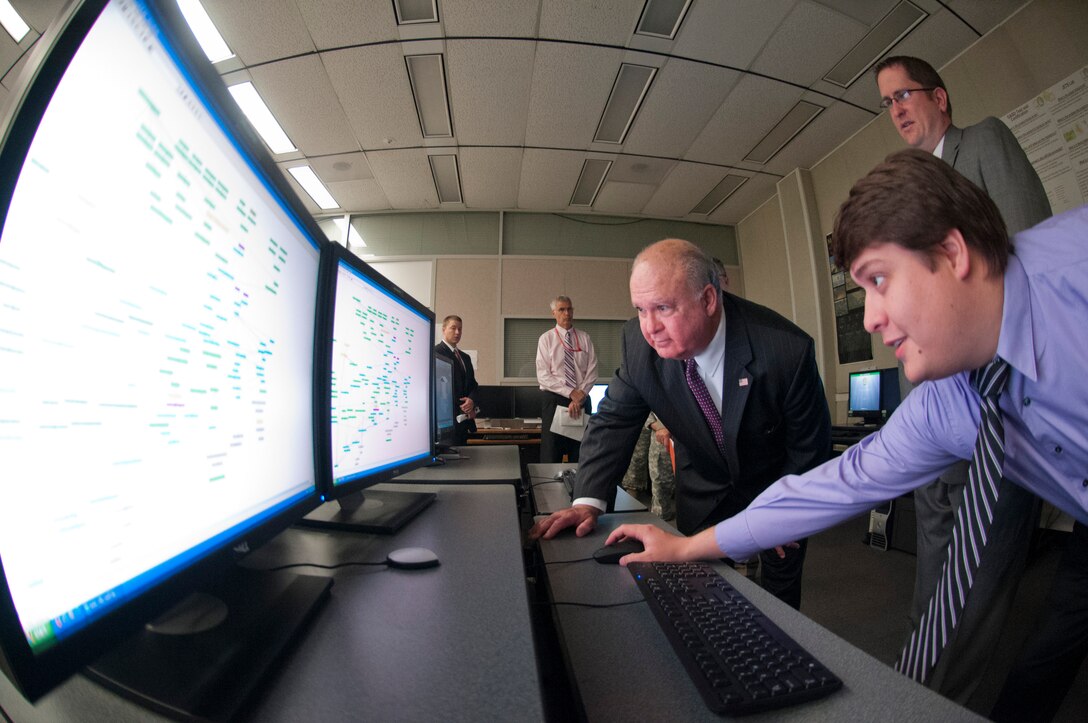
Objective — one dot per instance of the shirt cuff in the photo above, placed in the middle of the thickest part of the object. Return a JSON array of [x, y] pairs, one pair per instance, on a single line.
[[592, 502], [734, 538]]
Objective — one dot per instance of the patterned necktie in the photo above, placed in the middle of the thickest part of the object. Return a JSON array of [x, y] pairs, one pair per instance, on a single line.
[[457, 353], [969, 532], [568, 362], [706, 404]]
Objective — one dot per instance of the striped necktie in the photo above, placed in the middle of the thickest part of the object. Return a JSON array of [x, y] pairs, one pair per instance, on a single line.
[[568, 362], [969, 532], [702, 395]]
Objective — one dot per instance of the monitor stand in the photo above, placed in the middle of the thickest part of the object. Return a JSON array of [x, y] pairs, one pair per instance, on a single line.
[[206, 656], [381, 512]]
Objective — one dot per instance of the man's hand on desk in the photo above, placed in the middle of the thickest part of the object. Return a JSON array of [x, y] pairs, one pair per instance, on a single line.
[[582, 517], [662, 546]]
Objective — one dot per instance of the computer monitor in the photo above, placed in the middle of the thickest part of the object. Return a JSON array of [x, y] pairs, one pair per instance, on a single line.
[[158, 287], [378, 397], [596, 396], [873, 394], [445, 423]]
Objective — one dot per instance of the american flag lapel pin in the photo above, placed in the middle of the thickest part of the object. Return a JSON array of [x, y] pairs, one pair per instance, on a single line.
[[742, 382]]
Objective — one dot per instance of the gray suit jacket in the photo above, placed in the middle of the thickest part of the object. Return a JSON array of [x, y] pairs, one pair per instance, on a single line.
[[774, 416], [989, 155]]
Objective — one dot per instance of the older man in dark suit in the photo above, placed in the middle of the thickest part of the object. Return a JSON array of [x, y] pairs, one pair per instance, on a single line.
[[735, 383], [464, 378]]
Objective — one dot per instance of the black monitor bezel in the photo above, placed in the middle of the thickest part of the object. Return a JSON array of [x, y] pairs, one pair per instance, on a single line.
[[34, 674], [333, 255]]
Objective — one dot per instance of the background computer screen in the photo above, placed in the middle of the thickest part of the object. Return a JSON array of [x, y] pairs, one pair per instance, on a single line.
[[378, 362], [596, 395], [444, 421], [157, 315], [381, 375]]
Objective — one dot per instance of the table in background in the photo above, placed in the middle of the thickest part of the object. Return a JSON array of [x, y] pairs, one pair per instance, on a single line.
[[550, 494], [478, 465], [625, 668], [451, 643]]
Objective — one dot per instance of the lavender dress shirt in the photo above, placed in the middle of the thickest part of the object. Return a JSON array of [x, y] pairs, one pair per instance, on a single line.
[[1044, 337]]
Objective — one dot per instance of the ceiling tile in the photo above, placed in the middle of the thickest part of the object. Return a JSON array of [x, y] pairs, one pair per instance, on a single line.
[[488, 107], [548, 178], [571, 84], [299, 94], [609, 22], [490, 177], [282, 32], [813, 32], [339, 23], [372, 84], [682, 100], [405, 178]]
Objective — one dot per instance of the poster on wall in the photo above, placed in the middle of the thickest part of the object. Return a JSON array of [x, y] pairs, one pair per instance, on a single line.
[[1053, 131], [853, 340]]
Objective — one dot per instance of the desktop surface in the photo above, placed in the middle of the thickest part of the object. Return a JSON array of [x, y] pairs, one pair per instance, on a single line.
[[478, 465], [451, 643], [550, 495], [626, 670]]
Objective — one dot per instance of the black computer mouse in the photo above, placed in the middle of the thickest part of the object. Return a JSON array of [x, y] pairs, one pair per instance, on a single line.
[[611, 554]]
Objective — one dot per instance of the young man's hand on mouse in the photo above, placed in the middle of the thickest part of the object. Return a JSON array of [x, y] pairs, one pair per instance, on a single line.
[[662, 546]]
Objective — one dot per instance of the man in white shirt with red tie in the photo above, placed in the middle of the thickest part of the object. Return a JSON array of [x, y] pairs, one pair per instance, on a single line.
[[566, 369]]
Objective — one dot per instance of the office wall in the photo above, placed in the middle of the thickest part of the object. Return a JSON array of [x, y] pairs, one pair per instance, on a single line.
[[479, 266], [1037, 47]]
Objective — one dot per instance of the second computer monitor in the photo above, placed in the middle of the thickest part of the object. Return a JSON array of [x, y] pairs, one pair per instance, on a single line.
[[379, 366]]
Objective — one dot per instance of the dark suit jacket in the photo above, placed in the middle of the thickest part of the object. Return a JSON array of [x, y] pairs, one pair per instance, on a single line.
[[774, 416], [464, 385], [989, 155]]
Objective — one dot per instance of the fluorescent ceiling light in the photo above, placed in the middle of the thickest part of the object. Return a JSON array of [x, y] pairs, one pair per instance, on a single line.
[[262, 119], [662, 18], [205, 31], [447, 180], [12, 21], [313, 186], [589, 181], [719, 193], [628, 90], [903, 18], [791, 124], [416, 11], [428, 78]]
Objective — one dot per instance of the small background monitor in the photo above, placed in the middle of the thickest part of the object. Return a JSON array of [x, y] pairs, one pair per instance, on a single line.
[[596, 394], [445, 424]]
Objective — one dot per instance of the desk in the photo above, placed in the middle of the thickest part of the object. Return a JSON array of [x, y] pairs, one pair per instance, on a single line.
[[452, 643], [480, 465], [505, 431], [625, 669], [550, 495]]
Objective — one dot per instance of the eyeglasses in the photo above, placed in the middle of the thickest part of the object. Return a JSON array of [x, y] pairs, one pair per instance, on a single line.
[[901, 96]]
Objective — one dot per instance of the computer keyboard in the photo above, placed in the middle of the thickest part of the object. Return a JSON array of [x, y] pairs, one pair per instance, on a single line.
[[739, 660]]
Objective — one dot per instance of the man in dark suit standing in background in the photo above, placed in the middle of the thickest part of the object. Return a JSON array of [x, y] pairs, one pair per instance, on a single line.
[[735, 383], [989, 156], [464, 378]]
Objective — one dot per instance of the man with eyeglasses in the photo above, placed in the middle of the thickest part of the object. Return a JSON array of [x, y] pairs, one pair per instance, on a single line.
[[989, 156]]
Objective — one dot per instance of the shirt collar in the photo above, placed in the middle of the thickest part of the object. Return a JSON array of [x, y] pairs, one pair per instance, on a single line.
[[939, 150], [710, 359], [451, 346], [1016, 341]]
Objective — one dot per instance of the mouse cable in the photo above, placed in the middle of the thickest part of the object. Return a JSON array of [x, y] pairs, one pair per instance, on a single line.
[[558, 603], [323, 567]]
